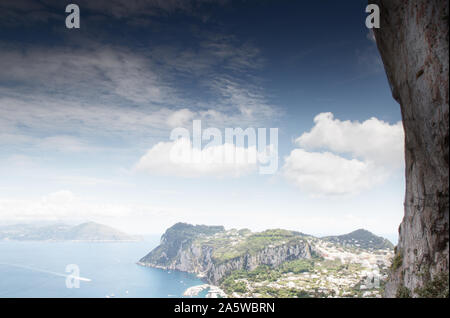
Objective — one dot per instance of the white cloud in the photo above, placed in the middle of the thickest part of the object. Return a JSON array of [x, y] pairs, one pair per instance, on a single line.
[[180, 118], [102, 91], [177, 158], [100, 69], [375, 149], [372, 140], [65, 206], [50, 117], [329, 174], [247, 102]]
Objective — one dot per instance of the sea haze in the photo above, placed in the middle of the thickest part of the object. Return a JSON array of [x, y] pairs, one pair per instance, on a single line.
[[28, 269]]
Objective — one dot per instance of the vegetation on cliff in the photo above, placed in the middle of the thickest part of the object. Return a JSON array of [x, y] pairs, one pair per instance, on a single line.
[[413, 44], [276, 263], [178, 237], [233, 244]]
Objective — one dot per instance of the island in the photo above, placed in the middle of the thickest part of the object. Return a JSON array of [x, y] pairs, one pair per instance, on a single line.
[[276, 262], [85, 232]]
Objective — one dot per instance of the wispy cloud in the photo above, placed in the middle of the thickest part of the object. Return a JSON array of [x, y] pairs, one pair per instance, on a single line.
[[99, 70], [103, 90], [30, 12], [64, 205]]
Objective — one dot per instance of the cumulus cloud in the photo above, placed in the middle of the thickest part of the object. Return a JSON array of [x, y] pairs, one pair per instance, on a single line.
[[180, 158], [343, 157], [330, 174], [372, 140]]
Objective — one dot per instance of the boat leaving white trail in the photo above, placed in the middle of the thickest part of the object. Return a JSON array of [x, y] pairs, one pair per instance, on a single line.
[[47, 272]]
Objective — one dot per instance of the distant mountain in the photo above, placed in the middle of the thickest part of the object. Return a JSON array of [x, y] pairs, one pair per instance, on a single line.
[[362, 239], [89, 231]]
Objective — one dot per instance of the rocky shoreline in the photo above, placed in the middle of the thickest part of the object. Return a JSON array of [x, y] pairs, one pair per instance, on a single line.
[[213, 292], [273, 263]]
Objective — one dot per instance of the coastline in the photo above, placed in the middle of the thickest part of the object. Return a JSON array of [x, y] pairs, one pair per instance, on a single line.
[[72, 241], [213, 290]]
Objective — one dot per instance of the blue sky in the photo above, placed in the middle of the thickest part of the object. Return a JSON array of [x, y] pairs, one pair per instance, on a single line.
[[81, 108]]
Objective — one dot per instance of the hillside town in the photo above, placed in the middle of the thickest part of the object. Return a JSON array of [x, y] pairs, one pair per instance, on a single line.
[[338, 269]]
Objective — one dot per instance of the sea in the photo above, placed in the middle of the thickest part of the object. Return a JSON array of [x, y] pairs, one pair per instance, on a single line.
[[106, 269]]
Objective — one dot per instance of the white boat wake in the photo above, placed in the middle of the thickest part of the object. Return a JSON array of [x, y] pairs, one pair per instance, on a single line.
[[48, 272]]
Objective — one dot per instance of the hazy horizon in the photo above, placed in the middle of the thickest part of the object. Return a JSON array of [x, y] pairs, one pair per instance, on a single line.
[[86, 116], [392, 238]]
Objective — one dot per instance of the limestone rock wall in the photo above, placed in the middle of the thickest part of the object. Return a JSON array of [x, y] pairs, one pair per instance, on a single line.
[[413, 42], [199, 260]]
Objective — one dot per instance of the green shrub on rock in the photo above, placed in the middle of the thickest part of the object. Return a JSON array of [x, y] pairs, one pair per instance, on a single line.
[[436, 288]]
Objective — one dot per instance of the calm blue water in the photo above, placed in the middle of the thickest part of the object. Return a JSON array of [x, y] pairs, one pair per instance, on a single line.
[[111, 267]]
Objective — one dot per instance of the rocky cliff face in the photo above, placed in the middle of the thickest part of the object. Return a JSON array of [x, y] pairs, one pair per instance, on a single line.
[[213, 253], [200, 260], [413, 42]]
